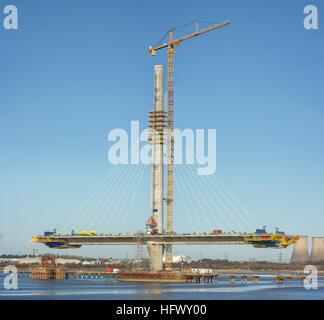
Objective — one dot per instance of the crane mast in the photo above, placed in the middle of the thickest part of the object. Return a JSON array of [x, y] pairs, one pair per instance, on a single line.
[[170, 150], [170, 120]]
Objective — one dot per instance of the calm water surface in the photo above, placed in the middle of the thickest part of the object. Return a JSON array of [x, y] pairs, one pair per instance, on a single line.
[[111, 290]]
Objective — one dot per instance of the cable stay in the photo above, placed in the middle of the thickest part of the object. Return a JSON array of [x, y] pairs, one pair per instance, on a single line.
[[210, 187], [95, 204]]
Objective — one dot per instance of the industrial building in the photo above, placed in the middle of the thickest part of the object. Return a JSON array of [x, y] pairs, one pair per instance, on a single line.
[[178, 258], [300, 253], [317, 254]]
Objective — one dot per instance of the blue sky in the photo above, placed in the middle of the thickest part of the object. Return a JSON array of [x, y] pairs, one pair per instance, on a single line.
[[75, 70]]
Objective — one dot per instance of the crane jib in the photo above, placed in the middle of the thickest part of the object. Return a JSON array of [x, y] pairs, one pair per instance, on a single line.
[[189, 36]]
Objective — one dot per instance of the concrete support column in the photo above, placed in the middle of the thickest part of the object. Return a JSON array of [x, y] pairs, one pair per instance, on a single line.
[[279, 280], [243, 279], [155, 252], [157, 151]]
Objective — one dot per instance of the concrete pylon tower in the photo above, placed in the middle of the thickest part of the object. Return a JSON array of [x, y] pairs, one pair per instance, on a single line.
[[157, 125], [300, 253], [157, 119], [317, 254]]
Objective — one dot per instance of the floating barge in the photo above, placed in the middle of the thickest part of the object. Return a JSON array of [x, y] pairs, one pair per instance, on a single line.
[[152, 276]]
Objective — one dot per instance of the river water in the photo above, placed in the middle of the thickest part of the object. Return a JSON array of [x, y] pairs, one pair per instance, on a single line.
[[92, 289]]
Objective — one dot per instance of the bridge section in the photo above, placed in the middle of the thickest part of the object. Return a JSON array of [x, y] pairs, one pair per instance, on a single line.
[[156, 243], [162, 239]]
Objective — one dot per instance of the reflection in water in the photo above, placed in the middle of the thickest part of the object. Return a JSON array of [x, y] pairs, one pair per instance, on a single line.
[[47, 293], [148, 290], [101, 289], [155, 288]]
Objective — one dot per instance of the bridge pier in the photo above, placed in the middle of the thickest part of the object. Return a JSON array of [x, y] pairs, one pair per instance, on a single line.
[[279, 280], [155, 253]]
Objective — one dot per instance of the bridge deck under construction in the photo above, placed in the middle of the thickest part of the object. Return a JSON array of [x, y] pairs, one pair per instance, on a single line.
[[178, 239]]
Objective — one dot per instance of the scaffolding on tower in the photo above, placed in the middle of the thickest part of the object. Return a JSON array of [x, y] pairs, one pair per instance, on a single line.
[[170, 138]]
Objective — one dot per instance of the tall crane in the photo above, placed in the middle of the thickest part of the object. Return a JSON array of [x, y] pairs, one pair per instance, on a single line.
[[170, 120]]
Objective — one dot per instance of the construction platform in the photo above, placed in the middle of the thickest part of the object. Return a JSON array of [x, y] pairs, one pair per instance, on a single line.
[[44, 273], [48, 270], [207, 277], [151, 277]]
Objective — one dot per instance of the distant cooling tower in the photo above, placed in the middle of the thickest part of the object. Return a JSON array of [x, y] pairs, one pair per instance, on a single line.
[[317, 249], [300, 253]]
